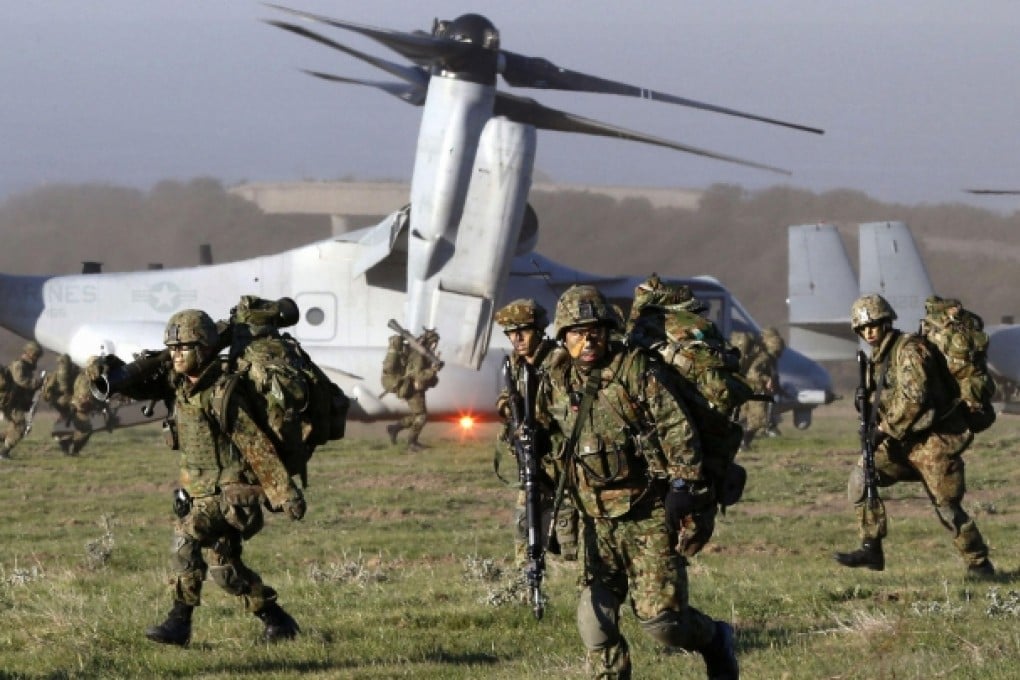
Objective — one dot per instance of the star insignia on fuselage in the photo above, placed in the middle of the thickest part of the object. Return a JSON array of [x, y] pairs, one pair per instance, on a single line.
[[164, 296]]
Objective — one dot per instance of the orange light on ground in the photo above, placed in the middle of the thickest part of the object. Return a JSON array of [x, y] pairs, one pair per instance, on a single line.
[[466, 422]]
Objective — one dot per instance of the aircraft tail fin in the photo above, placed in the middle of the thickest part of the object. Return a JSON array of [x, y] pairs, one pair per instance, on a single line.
[[892, 267], [821, 288]]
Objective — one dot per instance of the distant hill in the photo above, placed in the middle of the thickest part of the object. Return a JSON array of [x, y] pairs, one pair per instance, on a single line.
[[736, 235]]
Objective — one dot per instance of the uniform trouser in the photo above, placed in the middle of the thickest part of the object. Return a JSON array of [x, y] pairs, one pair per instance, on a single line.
[[416, 419], [934, 460], [82, 424], [209, 539], [15, 430], [634, 557]]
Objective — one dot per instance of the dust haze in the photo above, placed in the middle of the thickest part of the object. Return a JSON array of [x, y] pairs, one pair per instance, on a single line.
[[736, 235]]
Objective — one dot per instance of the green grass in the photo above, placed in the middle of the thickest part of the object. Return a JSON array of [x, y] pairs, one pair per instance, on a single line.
[[401, 569]]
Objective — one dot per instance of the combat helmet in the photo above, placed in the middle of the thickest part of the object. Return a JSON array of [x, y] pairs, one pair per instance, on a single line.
[[583, 306], [522, 313], [191, 326], [32, 349], [64, 361], [429, 337], [870, 309]]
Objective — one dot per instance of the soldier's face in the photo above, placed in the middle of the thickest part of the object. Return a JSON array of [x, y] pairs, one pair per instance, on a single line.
[[586, 344], [187, 359], [873, 333], [524, 341]]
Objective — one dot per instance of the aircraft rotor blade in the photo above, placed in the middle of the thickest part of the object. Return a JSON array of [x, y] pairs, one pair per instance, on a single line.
[[530, 112], [411, 74], [421, 48], [535, 72], [993, 192], [412, 94]]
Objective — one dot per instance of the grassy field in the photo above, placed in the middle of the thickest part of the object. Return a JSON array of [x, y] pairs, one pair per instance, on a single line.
[[401, 569]]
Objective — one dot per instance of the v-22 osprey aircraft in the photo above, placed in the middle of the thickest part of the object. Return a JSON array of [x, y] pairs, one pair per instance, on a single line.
[[462, 248]]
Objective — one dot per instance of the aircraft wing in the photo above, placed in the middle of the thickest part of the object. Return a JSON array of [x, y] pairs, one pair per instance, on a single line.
[[378, 242]]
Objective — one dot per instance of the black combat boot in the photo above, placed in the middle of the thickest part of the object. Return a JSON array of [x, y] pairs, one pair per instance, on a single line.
[[176, 630], [982, 570], [869, 555], [5, 452], [392, 429], [720, 654], [279, 624]]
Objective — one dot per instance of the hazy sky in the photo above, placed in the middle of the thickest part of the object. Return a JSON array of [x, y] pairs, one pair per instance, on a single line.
[[919, 98]]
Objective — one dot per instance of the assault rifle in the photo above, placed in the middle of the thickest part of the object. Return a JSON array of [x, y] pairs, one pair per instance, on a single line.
[[867, 427], [36, 398], [414, 344], [522, 424]]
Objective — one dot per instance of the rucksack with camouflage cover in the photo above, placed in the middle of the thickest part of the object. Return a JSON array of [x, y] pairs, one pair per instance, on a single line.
[[300, 407], [959, 334], [691, 345]]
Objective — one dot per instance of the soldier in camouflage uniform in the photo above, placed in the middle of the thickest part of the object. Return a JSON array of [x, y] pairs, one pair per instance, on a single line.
[[419, 376], [920, 436], [229, 468], [81, 408], [524, 322], [17, 397], [58, 387], [760, 367], [631, 461]]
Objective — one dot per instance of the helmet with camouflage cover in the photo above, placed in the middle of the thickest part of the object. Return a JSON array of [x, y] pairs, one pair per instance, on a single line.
[[429, 337], [583, 306], [522, 313], [32, 350], [870, 309], [191, 326], [64, 361]]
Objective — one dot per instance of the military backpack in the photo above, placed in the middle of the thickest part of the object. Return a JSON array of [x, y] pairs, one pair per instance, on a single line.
[[296, 402], [959, 335]]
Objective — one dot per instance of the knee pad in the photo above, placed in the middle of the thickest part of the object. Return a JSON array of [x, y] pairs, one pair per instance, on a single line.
[[664, 629], [598, 617]]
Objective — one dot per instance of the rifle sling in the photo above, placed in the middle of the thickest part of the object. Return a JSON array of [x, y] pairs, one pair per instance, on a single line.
[[591, 389]]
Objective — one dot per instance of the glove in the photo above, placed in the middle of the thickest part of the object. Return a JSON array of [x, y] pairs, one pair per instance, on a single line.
[[679, 503], [295, 507]]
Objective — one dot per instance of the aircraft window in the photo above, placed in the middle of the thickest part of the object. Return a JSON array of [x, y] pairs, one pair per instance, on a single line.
[[315, 316]]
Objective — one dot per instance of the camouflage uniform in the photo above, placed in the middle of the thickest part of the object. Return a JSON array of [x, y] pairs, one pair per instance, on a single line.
[[922, 437], [82, 406], [634, 442], [58, 387], [419, 376], [228, 469], [17, 398], [518, 315]]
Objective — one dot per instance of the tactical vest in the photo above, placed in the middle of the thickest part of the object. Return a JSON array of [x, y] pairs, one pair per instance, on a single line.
[[610, 466], [208, 461]]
